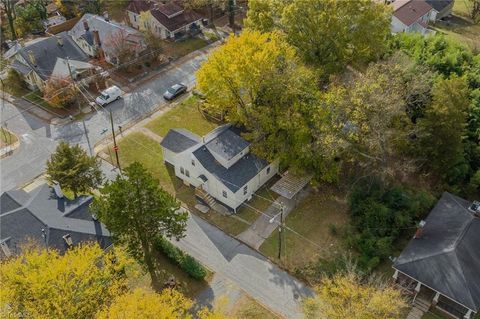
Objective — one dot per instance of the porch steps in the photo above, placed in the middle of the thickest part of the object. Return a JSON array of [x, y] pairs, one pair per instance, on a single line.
[[209, 200], [423, 305], [415, 313]]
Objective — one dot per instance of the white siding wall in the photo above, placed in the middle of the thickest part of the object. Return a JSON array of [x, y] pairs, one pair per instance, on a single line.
[[397, 26]]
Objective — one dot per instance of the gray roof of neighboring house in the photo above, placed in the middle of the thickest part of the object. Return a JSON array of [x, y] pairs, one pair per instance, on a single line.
[[178, 140], [48, 50], [20, 67], [227, 144], [173, 17], [88, 36], [24, 215], [439, 5], [106, 30], [446, 257]]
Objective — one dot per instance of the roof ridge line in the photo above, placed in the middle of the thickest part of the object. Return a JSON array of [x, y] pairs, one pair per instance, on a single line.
[[463, 277], [465, 229]]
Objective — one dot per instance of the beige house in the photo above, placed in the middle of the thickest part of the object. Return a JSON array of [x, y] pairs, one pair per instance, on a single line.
[[166, 21]]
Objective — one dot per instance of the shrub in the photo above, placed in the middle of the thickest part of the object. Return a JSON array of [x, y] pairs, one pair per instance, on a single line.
[[380, 217], [186, 262], [14, 83]]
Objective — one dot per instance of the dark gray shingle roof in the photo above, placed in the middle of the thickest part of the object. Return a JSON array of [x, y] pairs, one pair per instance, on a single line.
[[447, 256], [47, 51], [178, 140], [20, 67], [439, 5], [237, 175], [227, 144], [57, 216]]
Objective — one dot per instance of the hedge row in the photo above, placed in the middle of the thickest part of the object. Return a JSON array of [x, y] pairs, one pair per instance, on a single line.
[[186, 262]]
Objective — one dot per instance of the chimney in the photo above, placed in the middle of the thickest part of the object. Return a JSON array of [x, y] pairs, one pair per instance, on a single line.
[[60, 41], [105, 15], [85, 25], [57, 189], [419, 232], [96, 38], [32, 58]]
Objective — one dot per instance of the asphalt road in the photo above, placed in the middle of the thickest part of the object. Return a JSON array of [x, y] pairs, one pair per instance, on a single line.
[[39, 139], [248, 269]]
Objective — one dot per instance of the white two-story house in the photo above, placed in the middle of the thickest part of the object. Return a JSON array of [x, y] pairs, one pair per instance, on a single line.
[[218, 164]]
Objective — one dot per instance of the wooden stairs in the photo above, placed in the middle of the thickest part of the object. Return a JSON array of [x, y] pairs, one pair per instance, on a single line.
[[420, 306], [206, 197]]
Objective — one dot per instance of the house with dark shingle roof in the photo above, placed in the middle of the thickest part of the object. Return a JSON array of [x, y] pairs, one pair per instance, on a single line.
[[166, 21], [219, 165], [441, 264], [102, 38], [442, 7], [40, 216], [411, 16], [42, 59]]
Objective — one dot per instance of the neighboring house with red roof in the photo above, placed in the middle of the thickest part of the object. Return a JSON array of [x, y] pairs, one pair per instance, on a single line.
[[412, 16], [166, 21]]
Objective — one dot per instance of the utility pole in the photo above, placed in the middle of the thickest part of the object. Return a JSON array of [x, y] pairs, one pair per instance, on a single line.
[[280, 237], [231, 14], [73, 80], [115, 147]]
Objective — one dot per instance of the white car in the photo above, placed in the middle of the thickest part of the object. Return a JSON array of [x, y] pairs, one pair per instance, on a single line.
[[108, 95]]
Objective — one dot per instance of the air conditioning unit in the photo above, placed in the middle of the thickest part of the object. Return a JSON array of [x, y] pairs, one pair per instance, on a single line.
[[475, 208]]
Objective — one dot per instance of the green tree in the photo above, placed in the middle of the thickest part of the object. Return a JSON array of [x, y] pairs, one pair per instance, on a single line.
[[137, 210], [44, 284], [74, 169], [264, 15], [328, 34], [8, 7], [257, 81], [28, 19], [443, 128], [372, 120]]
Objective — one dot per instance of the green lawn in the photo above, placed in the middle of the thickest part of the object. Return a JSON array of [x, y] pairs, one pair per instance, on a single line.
[[7, 138], [183, 47], [185, 115], [36, 97], [139, 147], [312, 219], [460, 27]]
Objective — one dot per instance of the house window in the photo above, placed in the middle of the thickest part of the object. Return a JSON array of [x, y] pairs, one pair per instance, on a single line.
[[224, 193], [182, 171], [245, 189], [135, 18], [193, 162], [187, 173], [268, 170]]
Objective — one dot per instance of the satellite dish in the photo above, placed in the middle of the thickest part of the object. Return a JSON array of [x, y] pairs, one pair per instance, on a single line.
[[57, 189]]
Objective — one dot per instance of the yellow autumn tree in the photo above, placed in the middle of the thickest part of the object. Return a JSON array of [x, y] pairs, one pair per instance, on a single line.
[[143, 304], [43, 284], [347, 295]]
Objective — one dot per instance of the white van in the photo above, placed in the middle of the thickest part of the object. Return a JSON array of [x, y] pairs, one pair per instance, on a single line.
[[108, 95]]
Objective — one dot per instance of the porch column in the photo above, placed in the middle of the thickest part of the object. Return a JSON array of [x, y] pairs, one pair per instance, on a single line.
[[468, 315], [395, 275], [417, 288], [435, 299]]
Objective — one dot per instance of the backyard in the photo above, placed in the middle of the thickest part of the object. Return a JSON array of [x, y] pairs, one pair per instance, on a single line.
[[460, 27], [316, 227]]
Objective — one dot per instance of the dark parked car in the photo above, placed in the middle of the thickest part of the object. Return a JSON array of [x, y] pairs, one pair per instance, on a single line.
[[174, 91]]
